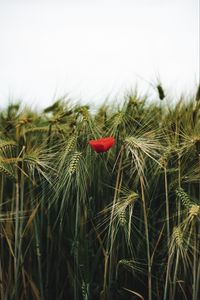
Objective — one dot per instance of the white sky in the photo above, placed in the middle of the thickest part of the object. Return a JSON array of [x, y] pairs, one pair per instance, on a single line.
[[91, 48]]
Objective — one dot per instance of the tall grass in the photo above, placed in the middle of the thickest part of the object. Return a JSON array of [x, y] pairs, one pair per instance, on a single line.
[[124, 224]]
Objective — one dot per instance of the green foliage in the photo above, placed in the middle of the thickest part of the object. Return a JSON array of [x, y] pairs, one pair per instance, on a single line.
[[124, 224]]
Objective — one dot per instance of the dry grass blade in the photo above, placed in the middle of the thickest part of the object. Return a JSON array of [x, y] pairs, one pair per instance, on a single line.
[[133, 292]]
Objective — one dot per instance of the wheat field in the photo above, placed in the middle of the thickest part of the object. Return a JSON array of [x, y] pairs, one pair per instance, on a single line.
[[121, 224]]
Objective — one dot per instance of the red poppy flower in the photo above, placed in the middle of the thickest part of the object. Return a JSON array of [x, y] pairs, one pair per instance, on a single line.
[[102, 145]]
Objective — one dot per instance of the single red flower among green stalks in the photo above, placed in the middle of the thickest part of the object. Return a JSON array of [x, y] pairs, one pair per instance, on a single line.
[[102, 145]]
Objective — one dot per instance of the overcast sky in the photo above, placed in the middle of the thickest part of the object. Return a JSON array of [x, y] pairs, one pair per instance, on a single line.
[[93, 48]]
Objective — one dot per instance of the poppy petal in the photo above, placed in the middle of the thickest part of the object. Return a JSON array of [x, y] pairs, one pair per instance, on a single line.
[[102, 144]]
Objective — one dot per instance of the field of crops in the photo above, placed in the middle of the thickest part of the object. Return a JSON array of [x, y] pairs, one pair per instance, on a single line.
[[119, 220]]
